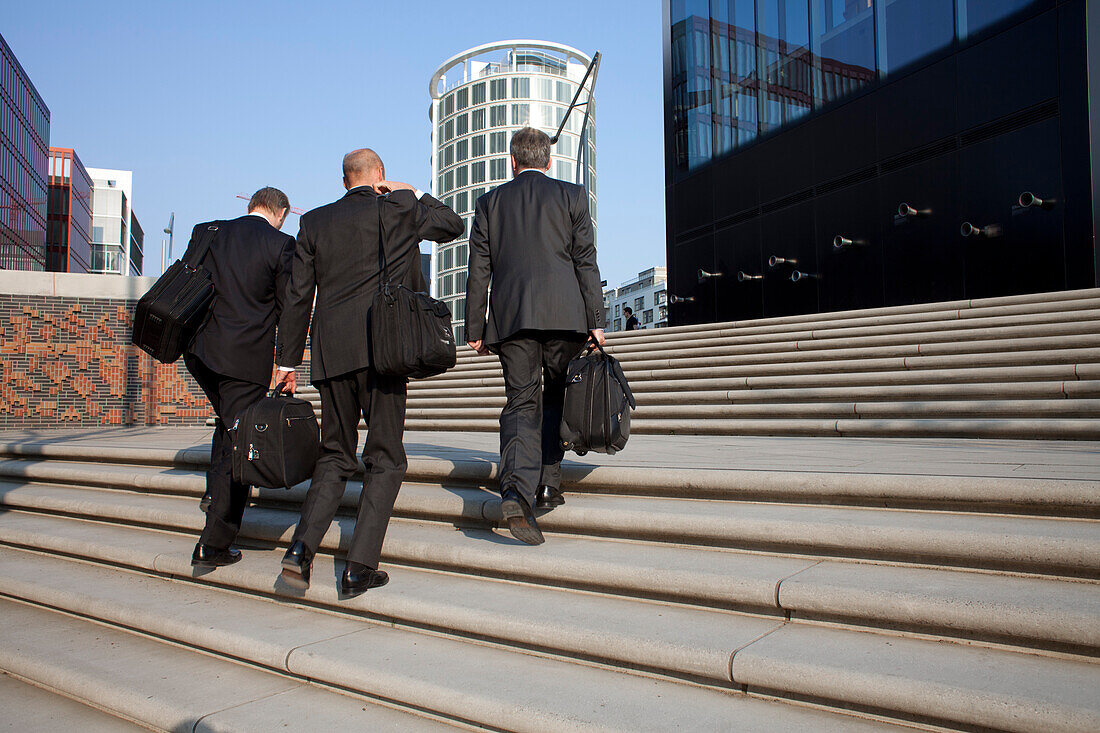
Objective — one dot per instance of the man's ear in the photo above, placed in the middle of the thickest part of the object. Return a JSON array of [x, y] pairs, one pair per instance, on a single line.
[[347, 186]]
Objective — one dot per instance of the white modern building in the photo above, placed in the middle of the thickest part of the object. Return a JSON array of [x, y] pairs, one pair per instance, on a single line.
[[646, 295], [480, 98], [117, 238]]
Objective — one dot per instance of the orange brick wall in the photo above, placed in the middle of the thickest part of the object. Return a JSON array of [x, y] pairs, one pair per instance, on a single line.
[[67, 361]]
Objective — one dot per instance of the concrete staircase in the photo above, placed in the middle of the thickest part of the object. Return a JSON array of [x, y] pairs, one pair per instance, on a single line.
[[673, 598], [1016, 367]]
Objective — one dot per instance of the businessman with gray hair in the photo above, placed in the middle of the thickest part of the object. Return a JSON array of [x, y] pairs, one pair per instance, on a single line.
[[532, 240]]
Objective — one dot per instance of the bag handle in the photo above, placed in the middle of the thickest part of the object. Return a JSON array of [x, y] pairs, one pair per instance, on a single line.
[[204, 246], [278, 391], [614, 367]]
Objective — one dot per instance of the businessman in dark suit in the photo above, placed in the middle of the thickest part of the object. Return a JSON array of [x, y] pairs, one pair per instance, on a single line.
[[337, 256], [532, 238], [232, 355]]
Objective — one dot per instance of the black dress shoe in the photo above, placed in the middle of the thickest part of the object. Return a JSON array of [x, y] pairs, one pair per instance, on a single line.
[[206, 556], [521, 520], [358, 579], [547, 497], [205, 501], [297, 563]]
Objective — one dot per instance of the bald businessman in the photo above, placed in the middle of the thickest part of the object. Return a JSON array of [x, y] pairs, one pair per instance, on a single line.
[[337, 257]]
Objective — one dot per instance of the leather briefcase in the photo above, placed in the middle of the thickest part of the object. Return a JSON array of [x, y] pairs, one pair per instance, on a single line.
[[598, 401], [169, 315], [410, 332], [275, 442]]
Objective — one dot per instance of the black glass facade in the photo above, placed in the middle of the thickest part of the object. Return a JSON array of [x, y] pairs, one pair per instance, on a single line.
[[854, 140], [24, 139]]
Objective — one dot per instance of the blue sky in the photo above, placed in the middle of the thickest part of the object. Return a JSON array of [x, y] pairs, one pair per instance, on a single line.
[[205, 100]]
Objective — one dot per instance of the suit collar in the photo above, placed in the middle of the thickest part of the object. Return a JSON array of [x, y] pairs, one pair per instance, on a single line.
[[361, 190]]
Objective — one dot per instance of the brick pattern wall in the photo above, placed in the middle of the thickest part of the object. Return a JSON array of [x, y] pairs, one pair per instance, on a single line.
[[68, 362]]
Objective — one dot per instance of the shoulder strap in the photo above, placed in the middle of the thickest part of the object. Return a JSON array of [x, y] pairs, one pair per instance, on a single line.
[[204, 245], [383, 276]]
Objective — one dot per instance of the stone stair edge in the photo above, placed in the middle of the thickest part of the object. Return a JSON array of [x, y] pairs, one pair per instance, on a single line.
[[569, 692], [869, 648], [963, 615], [646, 480], [1033, 545]]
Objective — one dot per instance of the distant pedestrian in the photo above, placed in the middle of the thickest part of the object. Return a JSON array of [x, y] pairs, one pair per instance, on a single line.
[[631, 320]]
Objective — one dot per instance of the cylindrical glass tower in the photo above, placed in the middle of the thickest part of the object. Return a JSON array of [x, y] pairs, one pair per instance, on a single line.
[[480, 98]]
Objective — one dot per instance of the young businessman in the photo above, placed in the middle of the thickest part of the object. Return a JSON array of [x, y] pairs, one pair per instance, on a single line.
[[532, 238], [337, 257], [231, 357]]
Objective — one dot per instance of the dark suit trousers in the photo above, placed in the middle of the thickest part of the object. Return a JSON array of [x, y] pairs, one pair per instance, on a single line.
[[534, 365], [381, 403], [229, 397]]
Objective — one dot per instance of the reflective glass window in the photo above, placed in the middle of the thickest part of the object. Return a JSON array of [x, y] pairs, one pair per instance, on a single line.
[[521, 88], [449, 105], [563, 92], [498, 168], [498, 142], [784, 38], [448, 180], [691, 82], [461, 151], [477, 119], [478, 93], [498, 89], [914, 29], [844, 43], [462, 98], [498, 115], [462, 178], [521, 114], [462, 202], [449, 131], [462, 124], [449, 155], [546, 89], [477, 146], [977, 15]]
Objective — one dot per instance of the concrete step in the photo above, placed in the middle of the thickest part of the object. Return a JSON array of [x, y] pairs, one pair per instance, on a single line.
[[1053, 546], [612, 625], [1052, 390], [28, 707], [140, 469], [674, 381], [689, 409], [897, 318], [167, 688], [977, 681], [1083, 335], [422, 670], [1021, 429], [813, 363]]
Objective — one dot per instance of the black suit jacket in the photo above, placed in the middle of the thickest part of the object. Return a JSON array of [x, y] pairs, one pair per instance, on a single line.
[[532, 237], [249, 262], [337, 256]]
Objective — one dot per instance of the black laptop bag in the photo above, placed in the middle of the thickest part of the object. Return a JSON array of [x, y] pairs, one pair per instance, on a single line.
[[598, 401], [169, 315], [275, 442], [410, 332]]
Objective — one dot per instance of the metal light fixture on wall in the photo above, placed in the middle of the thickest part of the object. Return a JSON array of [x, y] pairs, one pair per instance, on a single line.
[[676, 299], [970, 231], [703, 275], [775, 261], [798, 276], [745, 277], [1028, 200], [841, 242]]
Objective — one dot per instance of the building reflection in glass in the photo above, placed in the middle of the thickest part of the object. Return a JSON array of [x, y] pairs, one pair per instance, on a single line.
[[741, 68]]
